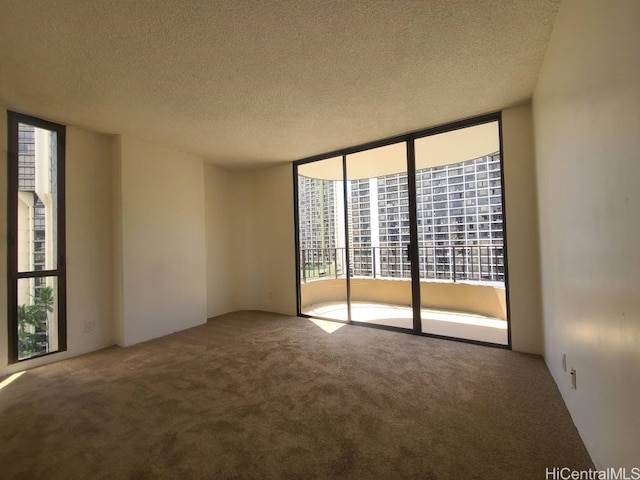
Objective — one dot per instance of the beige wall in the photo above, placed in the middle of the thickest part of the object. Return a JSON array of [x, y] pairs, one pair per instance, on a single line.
[[89, 251], [89, 240], [276, 238], [522, 229], [262, 253], [118, 276], [587, 125], [163, 284], [218, 239], [243, 260]]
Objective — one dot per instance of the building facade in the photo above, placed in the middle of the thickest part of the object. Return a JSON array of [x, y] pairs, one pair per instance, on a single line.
[[459, 212]]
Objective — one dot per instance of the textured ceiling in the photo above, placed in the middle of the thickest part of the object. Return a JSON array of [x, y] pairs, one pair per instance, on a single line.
[[245, 82]]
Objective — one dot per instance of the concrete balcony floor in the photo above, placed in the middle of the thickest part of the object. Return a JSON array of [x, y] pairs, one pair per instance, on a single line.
[[439, 322]]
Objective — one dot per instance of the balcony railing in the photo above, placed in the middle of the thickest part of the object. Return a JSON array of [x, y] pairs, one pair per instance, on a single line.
[[479, 263]]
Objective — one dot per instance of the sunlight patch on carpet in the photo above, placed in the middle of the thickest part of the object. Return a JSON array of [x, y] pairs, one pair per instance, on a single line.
[[10, 379], [327, 326]]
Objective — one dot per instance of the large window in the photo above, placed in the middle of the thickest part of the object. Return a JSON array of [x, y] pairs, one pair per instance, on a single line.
[[36, 244], [407, 233]]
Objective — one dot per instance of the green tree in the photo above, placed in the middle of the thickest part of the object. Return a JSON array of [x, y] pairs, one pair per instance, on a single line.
[[32, 320]]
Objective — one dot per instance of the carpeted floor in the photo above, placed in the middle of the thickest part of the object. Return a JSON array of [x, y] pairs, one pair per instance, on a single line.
[[258, 395]]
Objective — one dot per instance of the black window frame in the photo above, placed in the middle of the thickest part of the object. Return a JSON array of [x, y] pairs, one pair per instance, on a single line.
[[13, 275]]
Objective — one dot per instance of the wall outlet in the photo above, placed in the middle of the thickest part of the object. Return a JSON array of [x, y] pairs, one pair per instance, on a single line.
[[564, 362], [574, 384], [270, 294], [89, 326]]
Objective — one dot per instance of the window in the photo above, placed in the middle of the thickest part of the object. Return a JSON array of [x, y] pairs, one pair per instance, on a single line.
[[404, 208], [35, 240]]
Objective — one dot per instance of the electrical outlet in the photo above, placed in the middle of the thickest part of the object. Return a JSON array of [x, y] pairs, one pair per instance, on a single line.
[[574, 384], [564, 362], [270, 294], [89, 326]]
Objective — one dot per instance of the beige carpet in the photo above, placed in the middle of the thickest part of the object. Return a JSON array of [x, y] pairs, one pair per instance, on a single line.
[[257, 395]]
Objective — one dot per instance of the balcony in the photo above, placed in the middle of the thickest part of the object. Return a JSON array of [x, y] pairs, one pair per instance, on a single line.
[[461, 288]]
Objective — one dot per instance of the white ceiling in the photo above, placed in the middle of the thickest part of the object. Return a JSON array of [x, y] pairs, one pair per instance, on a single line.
[[246, 82]]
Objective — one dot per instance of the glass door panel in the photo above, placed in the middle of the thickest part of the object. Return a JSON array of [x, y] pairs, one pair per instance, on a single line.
[[321, 239], [460, 234], [379, 236]]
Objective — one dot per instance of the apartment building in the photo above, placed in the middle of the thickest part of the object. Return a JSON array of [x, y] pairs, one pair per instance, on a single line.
[[459, 209]]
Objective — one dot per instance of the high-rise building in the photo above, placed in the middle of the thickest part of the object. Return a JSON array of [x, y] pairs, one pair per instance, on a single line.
[[459, 212], [27, 184], [321, 226]]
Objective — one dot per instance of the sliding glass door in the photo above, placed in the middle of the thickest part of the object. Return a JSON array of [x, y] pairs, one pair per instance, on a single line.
[[379, 236], [408, 234], [460, 234]]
